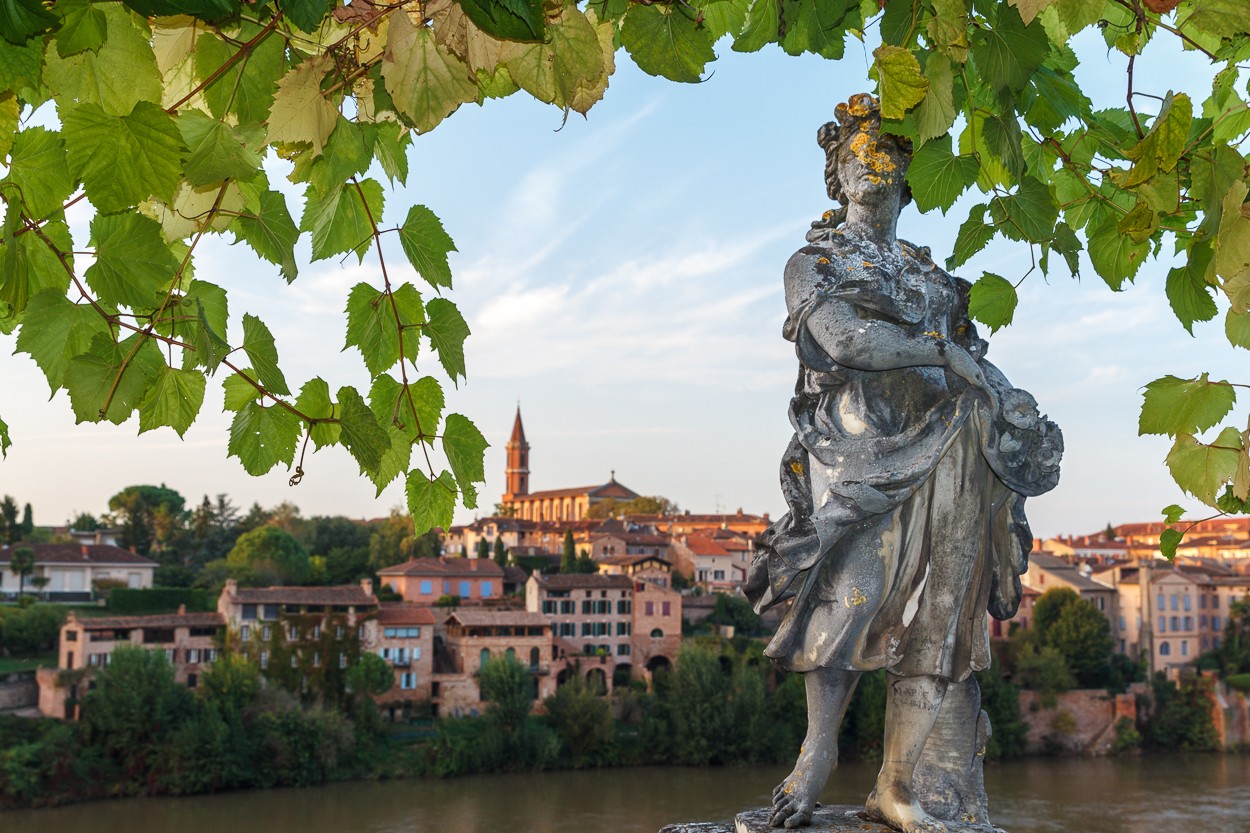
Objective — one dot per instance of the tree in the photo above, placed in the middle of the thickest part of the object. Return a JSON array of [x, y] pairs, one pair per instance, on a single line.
[[1234, 650], [22, 562], [568, 554], [501, 553], [508, 688], [214, 87], [84, 522], [1078, 632], [370, 675], [641, 505], [267, 556], [581, 719], [150, 517], [10, 527]]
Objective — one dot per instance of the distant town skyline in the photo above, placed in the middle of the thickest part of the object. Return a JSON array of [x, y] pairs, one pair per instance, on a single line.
[[622, 277]]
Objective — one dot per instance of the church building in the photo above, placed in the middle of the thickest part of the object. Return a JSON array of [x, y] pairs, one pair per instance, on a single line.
[[553, 504]]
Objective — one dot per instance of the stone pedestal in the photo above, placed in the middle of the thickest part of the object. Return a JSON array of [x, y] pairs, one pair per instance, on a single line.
[[841, 818]]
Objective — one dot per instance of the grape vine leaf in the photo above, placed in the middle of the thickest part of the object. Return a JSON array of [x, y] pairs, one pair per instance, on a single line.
[[263, 437], [1160, 149], [427, 245], [314, 402], [936, 112], [215, 150], [174, 399], [973, 236], [306, 14], [22, 19], [1116, 257], [1008, 52], [133, 266], [267, 227], [465, 446], [1236, 328], [117, 76], [372, 327], [426, 82], [247, 88], [122, 160], [55, 331], [447, 330], [1201, 469], [568, 70], [240, 389], [83, 26], [431, 503], [516, 20], [301, 113], [816, 26], [112, 373], [1172, 513], [898, 75], [361, 433], [1175, 406], [760, 29], [339, 220], [937, 177], [5, 441], [1169, 540], [37, 167], [992, 301], [260, 348], [665, 40], [1190, 295]]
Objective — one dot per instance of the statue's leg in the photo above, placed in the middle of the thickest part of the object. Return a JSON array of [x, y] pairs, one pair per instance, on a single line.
[[828, 692], [912, 705]]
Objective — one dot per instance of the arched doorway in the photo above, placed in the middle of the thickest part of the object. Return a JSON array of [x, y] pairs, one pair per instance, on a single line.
[[622, 675], [658, 663], [597, 681]]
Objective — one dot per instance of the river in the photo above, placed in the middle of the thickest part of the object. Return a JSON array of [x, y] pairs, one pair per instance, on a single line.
[[1172, 794]]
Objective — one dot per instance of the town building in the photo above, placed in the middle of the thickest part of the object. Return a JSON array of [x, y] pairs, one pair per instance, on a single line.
[[70, 571], [405, 640], [426, 580], [656, 627], [190, 642], [639, 568], [591, 611], [1047, 572], [473, 637], [719, 565]]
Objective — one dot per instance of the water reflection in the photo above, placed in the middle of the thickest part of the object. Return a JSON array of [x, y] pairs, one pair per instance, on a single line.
[[1206, 793]]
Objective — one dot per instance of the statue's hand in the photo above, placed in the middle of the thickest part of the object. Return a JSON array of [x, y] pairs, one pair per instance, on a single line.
[[962, 364]]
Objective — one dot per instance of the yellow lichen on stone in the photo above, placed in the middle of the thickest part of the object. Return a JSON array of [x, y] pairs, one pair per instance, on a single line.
[[823, 261], [796, 467], [864, 146], [935, 334]]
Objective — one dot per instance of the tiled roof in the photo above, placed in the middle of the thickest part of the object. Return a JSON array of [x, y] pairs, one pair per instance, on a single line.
[[445, 567], [344, 594], [1066, 571], [473, 617], [95, 554], [514, 575], [405, 614], [630, 560], [169, 620], [584, 581], [705, 546]]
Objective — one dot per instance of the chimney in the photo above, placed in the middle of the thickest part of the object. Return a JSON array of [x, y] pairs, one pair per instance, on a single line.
[[366, 584], [132, 551], [85, 551], [232, 587], [182, 610], [473, 564]]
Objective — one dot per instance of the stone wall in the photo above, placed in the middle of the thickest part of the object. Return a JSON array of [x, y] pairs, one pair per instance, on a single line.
[[1230, 712], [18, 691], [1081, 722]]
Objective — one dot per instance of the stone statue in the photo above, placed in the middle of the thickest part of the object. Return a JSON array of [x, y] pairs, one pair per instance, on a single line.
[[905, 481]]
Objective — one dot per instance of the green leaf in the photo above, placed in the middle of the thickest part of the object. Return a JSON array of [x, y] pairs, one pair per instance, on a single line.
[[174, 400], [1221, 18], [936, 113], [390, 403], [427, 245], [391, 150], [1172, 513], [239, 391], [306, 14], [1202, 469], [1236, 327], [1232, 242], [761, 27], [1067, 244], [937, 177], [5, 441], [1169, 540], [1001, 137], [992, 301], [348, 153], [314, 402], [263, 437], [722, 17], [215, 150], [247, 88], [1057, 99], [203, 9], [123, 371], [465, 448], [372, 327], [1175, 406], [133, 266], [55, 331], [38, 169], [973, 236], [260, 348], [83, 26], [20, 66], [948, 29], [1160, 149], [339, 221], [1030, 9], [431, 503], [569, 71], [270, 231], [301, 113], [1190, 295], [1009, 52], [1115, 256], [20, 19], [518, 20], [447, 330], [898, 76], [123, 160], [426, 82], [664, 40], [1029, 214], [117, 76], [361, 433], [816, 26]]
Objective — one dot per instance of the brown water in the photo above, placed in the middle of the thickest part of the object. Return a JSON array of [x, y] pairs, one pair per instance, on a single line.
[[1174, 794]]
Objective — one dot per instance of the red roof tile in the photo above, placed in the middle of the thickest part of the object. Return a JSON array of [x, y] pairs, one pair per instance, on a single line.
[[96, 554]]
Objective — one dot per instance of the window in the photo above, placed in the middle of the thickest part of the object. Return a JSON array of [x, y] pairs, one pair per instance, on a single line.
[[416, 652], [210, 654], [464, 590], [484, 657], [1215, 623], [1215, 602], [316, 660], [342, 660], [269, 612], [569, 607], [427, 588], [266, 632], [1202, 621], [264, 660], [1174, 601], [588, 607], [338, 631], [549, 608], [1165, 649], [488, 589], [622, 650], [249, 613], [408, 680], [316, 632], [1102, 603], [1205, 643], [510, 653], [171, 654], [1202, 601], [1187, 601], [1122, 623], [649, 609], [624, 606], [294, 660], [293, 633], [245, 633], [623, 628], [1189, 623], [1163, 624], [447, 586], [1184, 647], [360, 632], [666, 608], [587, 629], [193, 656], [1161, 607], [71, 636], [718, 575], [1176, 623], [193, 680], [656, 633]]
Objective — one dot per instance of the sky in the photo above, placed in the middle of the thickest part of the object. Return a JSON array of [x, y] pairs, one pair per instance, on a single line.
[[622, 278]]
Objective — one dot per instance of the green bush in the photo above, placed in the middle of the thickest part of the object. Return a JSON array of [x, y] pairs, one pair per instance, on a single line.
[[126, 601], [1238, 682], [1181, 716]]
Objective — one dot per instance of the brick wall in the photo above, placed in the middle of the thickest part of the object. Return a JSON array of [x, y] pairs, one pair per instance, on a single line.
[[18, 692], [1081, 722]]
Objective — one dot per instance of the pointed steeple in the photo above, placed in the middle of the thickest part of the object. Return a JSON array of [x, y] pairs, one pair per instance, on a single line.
[[517, 473]]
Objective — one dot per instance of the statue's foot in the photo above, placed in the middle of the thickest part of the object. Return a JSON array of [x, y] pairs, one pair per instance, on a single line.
[[896, 805], [794, 799]]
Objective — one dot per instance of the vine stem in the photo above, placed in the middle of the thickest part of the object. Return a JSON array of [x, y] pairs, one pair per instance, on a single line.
[[399, 324], [244, 51]]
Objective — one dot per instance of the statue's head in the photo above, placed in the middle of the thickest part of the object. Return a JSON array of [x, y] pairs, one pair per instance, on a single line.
[[860, 160]]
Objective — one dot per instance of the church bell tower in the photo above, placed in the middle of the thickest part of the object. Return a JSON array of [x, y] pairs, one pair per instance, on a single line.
[[518, 471]]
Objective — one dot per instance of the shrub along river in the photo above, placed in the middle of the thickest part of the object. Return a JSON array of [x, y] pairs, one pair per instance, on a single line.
[[1173, 793]]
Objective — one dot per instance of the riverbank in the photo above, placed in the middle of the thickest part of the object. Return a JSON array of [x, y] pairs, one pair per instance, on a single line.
[[1210, 793]]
